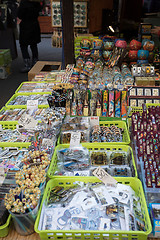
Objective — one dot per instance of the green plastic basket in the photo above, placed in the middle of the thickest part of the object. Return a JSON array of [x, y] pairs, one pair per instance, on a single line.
[[12, 125], [24, 106], [90, 147], [4, 229], [152, 104], [140, 110], [97, 235], [115, 122], [120, 124], [17, 90]]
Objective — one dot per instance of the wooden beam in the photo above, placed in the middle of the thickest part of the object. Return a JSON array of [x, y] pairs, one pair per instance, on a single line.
[[68, 31]]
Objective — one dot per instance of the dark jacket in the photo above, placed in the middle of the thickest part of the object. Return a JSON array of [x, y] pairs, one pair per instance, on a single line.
[[28, 12]]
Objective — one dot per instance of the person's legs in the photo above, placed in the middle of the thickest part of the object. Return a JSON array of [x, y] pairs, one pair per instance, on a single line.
[[26, 58], [34, 50]]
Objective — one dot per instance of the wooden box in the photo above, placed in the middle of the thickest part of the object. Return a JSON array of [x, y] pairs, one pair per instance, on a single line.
[[43, 67]]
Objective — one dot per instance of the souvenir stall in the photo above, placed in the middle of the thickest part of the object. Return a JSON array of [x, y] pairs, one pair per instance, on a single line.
[[80, 147]]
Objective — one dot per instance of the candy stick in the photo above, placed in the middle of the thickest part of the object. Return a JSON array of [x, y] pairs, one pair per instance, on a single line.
[[105, 104], [117, 104], [124, 104], [111, 104]]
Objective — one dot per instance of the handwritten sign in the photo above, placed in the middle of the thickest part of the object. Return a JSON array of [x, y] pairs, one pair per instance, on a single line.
[[2, 176], [32, 104], [75, 139], [102, 175], [94, 121], [27, 122], [47, 142]]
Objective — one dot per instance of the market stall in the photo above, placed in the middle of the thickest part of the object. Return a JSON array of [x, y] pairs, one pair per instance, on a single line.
[[80, 149]]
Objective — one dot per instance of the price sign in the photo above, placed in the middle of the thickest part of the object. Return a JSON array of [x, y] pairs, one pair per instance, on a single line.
[[27, 122], [104, 176], [32, 104], [47, 142], [75, 139], [94, 121], [2, 176]]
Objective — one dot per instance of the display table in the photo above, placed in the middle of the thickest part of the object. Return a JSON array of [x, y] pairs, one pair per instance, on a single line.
[[15, 236]]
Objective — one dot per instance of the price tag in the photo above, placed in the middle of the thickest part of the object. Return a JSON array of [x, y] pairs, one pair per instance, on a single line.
[[104, 176], [32, 104], [75, 139], [82, 173], [2, 177], [47, 142], [27, 122], [94, 121]]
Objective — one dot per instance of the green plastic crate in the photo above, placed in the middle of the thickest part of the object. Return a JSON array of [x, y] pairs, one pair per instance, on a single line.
[[4, 229], [17, 90], [140, 110], [115, 122], [152, 105], [120, 124], [12, 125], [90, 147], [24, 106], [97, 235]]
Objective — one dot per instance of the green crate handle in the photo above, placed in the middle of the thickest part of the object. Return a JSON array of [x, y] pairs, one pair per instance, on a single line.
[[88, 234], [89, 146]]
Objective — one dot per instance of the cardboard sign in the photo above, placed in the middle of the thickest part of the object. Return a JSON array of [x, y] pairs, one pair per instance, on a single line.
[[102, 175], [27, 122], [75, 139], [32, 104], [94, 121]]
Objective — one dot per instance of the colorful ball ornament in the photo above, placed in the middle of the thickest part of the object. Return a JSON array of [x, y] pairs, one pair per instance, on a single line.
[[135, 45], [143, 54]]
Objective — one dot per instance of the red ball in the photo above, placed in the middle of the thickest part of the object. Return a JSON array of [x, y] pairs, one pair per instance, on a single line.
[[133, 55], [135, 45]]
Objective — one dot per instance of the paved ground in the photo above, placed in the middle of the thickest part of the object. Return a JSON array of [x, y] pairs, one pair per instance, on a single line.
[[9, 85]]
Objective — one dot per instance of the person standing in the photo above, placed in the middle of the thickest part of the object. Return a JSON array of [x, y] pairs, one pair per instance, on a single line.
[[28, 12]]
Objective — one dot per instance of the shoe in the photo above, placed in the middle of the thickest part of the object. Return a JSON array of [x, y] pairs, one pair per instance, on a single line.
[[34, 60], [27, 66]]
